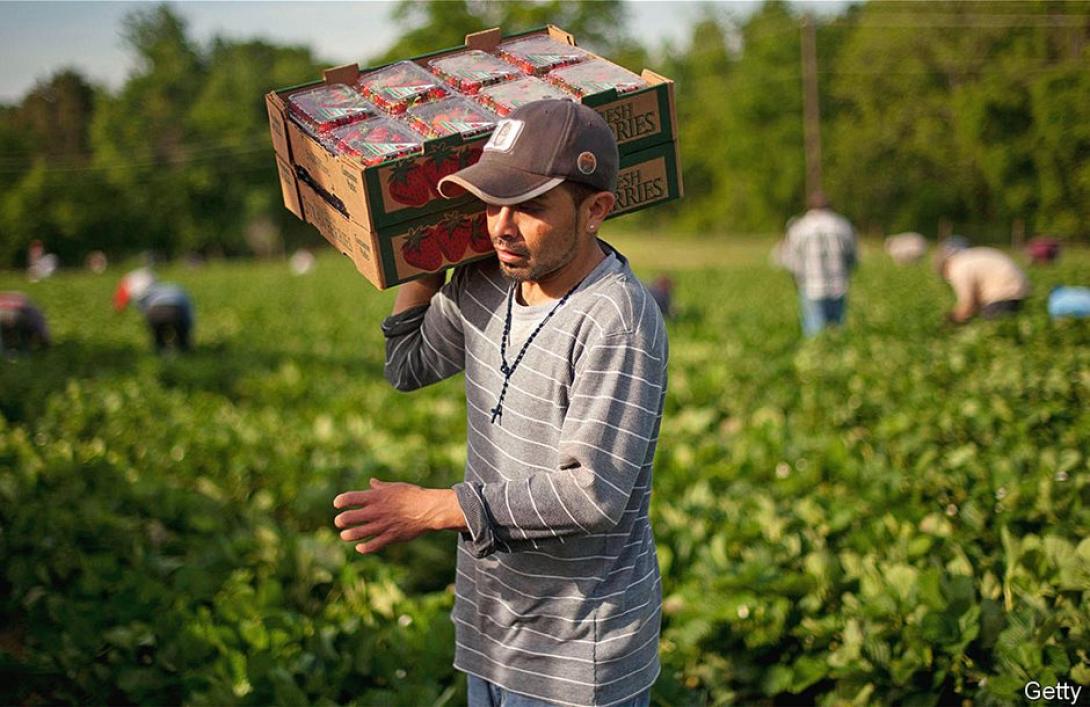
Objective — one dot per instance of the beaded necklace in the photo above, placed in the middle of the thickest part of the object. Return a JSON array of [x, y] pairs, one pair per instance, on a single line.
[[506, 369]]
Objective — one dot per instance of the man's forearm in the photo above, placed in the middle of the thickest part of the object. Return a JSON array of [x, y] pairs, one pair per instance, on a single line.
[[447, 512], [417, 292]]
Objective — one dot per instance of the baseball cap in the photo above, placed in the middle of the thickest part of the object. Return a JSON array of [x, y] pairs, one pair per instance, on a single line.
[[540, 145]]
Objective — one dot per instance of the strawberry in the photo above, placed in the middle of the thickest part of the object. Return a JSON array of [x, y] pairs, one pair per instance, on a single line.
[[421, 249], [479, 240], [441, 163], [453, 233], [471, 154], [409, 185]]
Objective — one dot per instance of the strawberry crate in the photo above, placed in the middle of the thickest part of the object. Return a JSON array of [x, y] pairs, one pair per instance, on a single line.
[[384, 198], [458, 234]]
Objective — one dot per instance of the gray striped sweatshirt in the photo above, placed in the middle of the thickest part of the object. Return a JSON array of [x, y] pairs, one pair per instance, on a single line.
[[558, 594]]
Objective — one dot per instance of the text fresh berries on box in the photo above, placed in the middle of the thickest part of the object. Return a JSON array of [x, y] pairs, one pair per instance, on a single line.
[[375, 141], [321, 109], [450, 116], [509, 95], [400, 86], [469, 71], [538, 54], [595, 76]]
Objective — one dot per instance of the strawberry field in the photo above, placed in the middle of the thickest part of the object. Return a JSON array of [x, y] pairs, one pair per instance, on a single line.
[[895, 512]]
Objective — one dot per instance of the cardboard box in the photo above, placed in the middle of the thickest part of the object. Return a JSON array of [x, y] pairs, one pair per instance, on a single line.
[[387, 258], [645, 179], [402, 190], [376, 215], [648, 178]]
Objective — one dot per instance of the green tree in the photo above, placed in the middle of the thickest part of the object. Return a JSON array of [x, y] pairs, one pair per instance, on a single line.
[[143, 140], [50, 192], [186, 140], [72, 210], [439, 24], [55, 117], [974, 112]]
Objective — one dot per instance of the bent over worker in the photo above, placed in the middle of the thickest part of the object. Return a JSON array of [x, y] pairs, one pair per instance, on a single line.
[[985, 281], [167, 308], [558, 595], [22, 324]]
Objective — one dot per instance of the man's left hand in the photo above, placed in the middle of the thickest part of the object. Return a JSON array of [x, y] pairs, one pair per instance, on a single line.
[[394, 513]]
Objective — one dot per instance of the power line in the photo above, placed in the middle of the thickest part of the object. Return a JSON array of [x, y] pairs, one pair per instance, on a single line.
[[165, 163]]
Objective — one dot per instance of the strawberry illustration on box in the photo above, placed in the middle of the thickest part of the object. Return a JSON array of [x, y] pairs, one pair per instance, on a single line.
[[376, 140], [319, 110], [451, 115], [595, 76], [400, 86], [479, 240], [409, 184], [506, 97], [470, 71], [539, 53], [420, 248]]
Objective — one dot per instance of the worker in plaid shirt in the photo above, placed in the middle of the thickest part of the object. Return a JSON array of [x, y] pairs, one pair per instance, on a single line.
[[820, 252]]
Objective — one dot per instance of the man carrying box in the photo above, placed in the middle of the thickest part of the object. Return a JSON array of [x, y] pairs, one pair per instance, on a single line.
[[558, 595]]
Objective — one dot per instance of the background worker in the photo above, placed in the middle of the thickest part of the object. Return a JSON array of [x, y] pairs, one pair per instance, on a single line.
[[166, 307], [820, 251], [985, 281], [22, 324], [905, 248]]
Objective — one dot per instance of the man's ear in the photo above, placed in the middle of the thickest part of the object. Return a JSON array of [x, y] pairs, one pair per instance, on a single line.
[[596, 208]]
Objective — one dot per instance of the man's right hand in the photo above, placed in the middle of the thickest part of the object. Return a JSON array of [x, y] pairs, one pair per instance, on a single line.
[[418, 292]]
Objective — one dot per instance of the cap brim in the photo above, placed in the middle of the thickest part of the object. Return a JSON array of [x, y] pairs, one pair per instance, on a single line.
[[497, 185]]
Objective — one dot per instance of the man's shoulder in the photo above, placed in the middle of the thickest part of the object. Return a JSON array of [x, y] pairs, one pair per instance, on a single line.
[[621, 305], [819, 221], [480, 278]]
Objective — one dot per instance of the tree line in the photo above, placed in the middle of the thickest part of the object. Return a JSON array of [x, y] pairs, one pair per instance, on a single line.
[[971, 117]]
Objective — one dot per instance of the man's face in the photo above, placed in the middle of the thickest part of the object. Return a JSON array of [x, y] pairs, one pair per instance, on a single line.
[[537, 237]]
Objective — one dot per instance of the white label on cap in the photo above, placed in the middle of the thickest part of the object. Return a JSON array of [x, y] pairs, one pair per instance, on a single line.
[[506, 133]]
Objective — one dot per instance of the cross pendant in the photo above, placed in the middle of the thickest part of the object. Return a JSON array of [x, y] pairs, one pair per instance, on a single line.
[[496, 413]]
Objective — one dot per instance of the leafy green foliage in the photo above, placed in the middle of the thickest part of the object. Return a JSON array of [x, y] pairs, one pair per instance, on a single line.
[[892, 513], [178, 160]]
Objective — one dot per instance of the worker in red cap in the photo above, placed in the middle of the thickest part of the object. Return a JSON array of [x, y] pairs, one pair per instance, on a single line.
[[166, 307], [22, 324]]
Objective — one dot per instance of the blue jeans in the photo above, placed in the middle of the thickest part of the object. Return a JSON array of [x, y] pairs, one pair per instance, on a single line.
[[820, 313], [481, 693]]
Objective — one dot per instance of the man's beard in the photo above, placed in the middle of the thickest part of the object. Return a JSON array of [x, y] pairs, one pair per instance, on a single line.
[[536, 273], [543, 270]]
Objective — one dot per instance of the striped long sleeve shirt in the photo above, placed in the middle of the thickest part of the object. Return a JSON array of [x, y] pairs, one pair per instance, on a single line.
[[558, 594], [820, 251]]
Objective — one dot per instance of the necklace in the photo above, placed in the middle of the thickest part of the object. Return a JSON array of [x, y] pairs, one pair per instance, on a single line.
[[506, 369]]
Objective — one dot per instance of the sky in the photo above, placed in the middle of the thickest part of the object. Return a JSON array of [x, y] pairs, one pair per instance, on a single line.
[[39, 38]]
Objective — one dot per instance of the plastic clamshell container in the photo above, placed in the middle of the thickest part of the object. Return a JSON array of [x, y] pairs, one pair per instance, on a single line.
[[538, 54], [323, 108], [452, 115], [375, 141], [471, 70], [595, 76], [400, 86], [509, 95]]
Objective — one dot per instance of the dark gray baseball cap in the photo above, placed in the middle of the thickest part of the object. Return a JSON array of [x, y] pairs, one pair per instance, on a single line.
[[538, 146]]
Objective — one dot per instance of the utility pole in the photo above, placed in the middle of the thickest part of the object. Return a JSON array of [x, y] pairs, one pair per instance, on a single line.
[[811, 113]]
